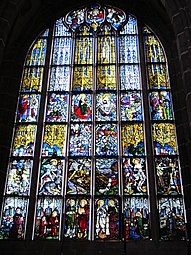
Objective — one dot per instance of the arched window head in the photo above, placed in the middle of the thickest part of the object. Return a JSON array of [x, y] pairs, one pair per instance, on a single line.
[[94, 138]]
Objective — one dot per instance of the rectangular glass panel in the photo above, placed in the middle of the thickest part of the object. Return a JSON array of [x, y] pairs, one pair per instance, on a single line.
[[157, 76], [19, 177], [51, 176], [83, 78], [23, 144], [47, 222], [106, 77], [161, 105], [79, 176], [106, 50], [59, 78], [83, 50], [153, 49], [13, 218], [62, 51], [130, 77], [134, 176], [131, 106], [132, 140], [106, 140], [106, 177], [32, 79], [37, 54], [128, 49], [54, 140], [136, 211], [80, 140], [172, 222], [106, 108], [107, 218], [168, 176], [81, 107], [164, 139], [77, 218], [28, 108], [57, 107]]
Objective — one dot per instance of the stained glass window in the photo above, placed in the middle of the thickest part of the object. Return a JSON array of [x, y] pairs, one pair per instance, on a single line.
[[87, 115]]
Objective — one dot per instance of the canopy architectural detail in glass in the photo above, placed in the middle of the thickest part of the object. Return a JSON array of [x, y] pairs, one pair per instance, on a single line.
[[95, 95]]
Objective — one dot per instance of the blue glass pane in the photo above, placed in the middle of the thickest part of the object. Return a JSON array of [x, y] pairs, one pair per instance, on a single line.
[[106, 140], [131, 26], [60, 29], [80, 140], [128, 49], [130, 77], [62, 51], [59, 78]]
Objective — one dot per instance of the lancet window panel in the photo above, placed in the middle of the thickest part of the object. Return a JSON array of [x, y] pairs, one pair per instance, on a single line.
[[88, 114]]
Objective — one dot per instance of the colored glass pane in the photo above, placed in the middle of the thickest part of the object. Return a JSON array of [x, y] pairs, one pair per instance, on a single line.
[[157, 76], [131, 26], [47, 221], [50, 180], [32, 79], [54, 140], [79, 175], [164, 139], [107, 218], [28, 108], [106, 140], [45, 33], [23, 144], [37, 54], [116, 17], [153, 49], [57, 107], [60, 29], [132, 140], [59, 78], [83, 78], [130, 77], [134, 176], [172, 222], [136, 214], [106, 107], [81, 107], [19, 176], [83, 50], [168, 176], [128, 49], [75, 18], [13, 218], [106, 50], [160, 105], [131, 106], [95, 16], [77, 218], [106, 177], [80, 140], [62, 51], [106, 77]]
